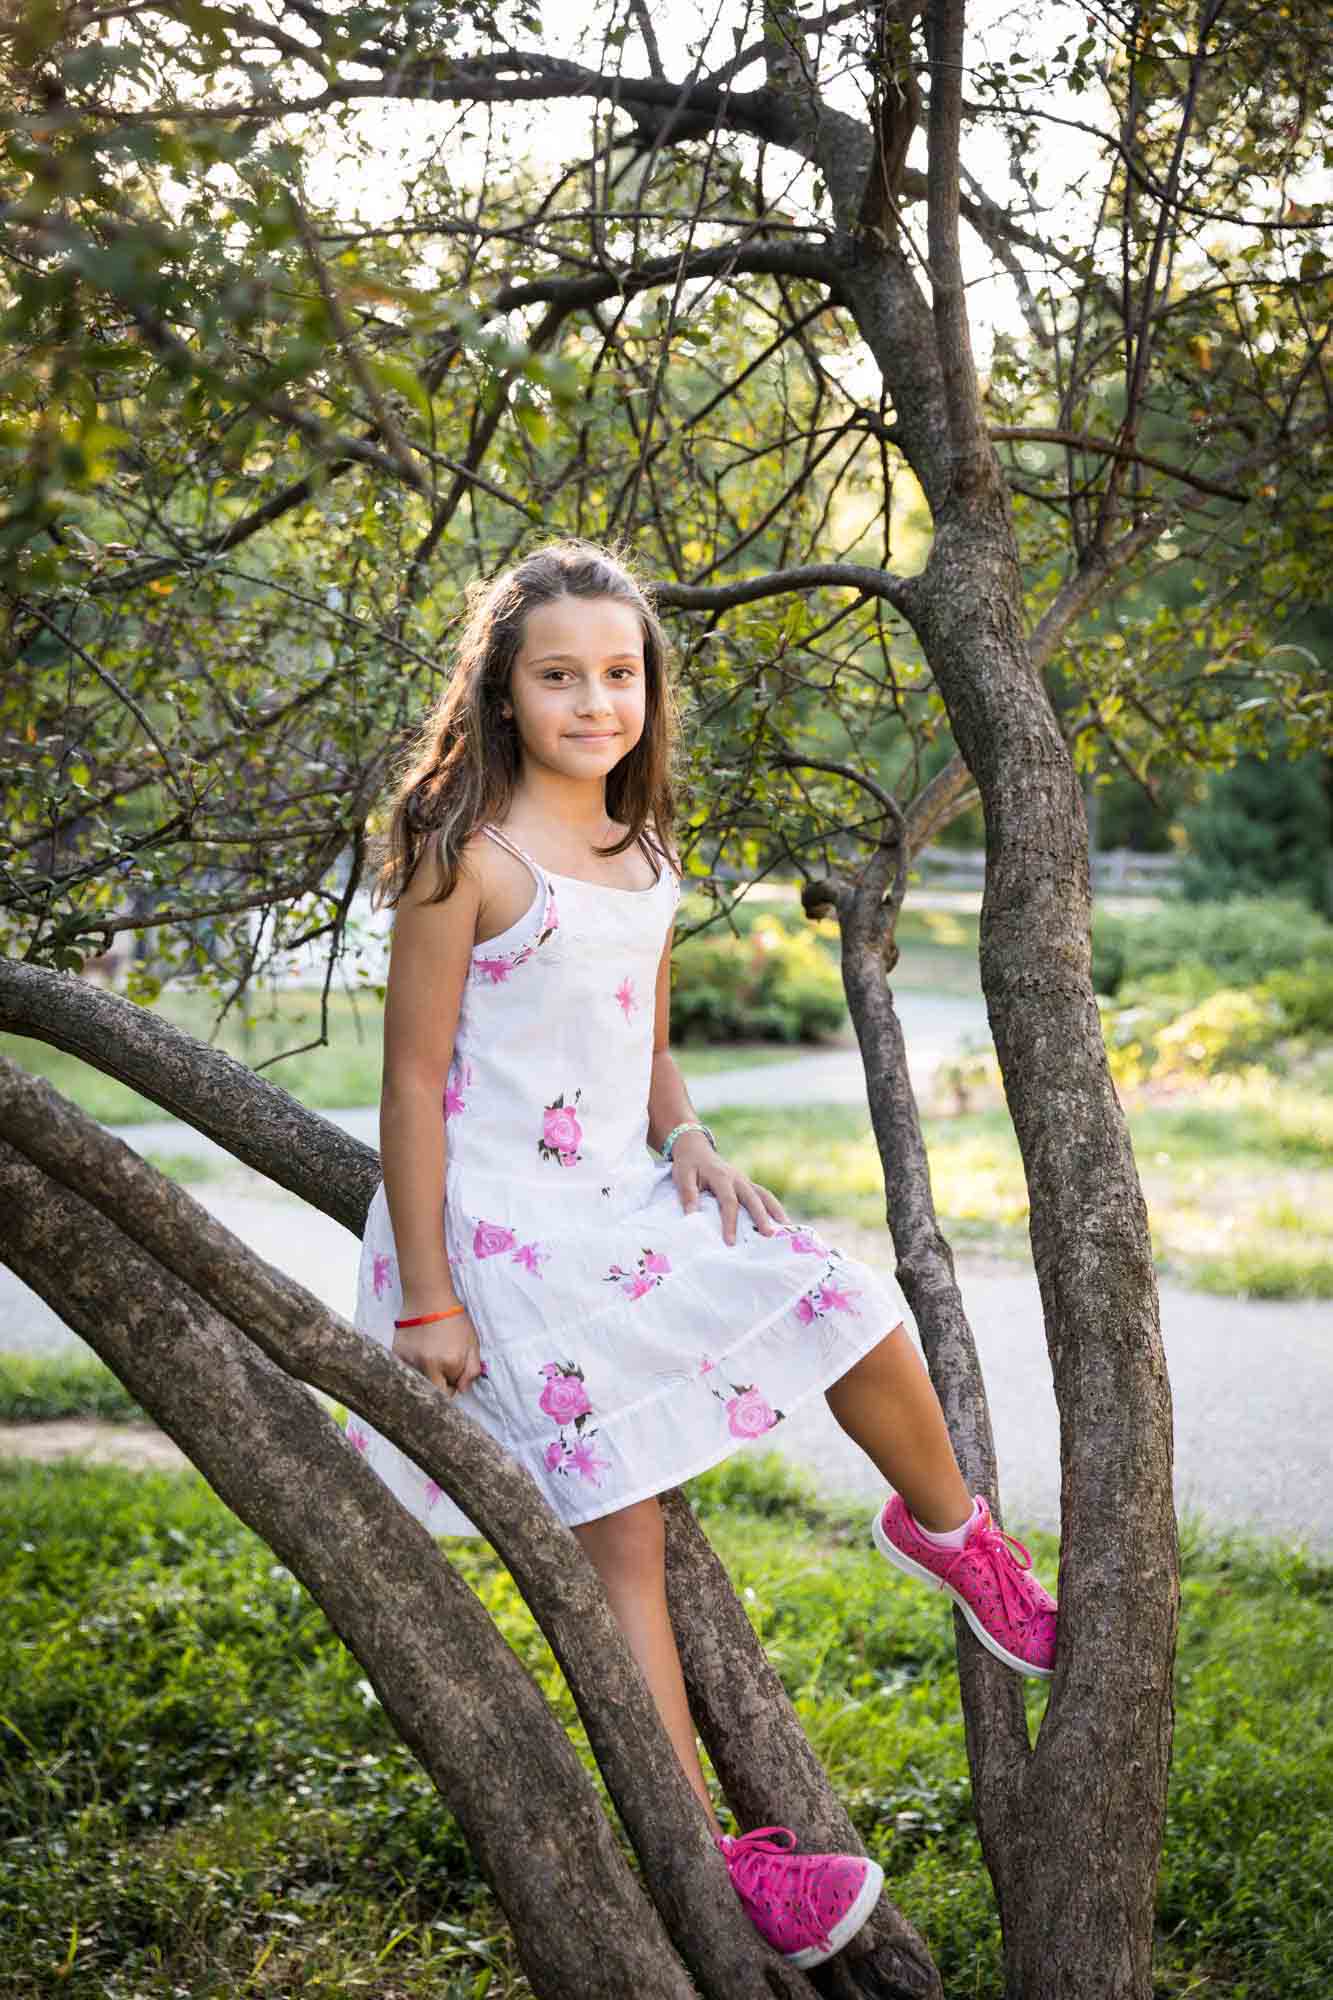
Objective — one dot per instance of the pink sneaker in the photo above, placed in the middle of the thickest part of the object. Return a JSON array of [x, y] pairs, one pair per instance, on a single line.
[[807, 1906], [1011, 1613]]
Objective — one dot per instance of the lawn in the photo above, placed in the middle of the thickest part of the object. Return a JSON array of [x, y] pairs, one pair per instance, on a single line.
[[200, 1795], [1238, 1180]]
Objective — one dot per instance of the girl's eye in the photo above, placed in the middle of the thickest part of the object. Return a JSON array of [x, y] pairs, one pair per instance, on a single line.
[[555, 673]]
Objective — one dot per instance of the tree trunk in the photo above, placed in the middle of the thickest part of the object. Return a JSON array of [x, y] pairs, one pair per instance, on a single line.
[[1075, 1856], [1072, 1834], [995, 1720], [291, 1326]]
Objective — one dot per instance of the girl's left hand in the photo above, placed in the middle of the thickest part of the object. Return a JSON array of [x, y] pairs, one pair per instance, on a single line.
[[694, 1165]]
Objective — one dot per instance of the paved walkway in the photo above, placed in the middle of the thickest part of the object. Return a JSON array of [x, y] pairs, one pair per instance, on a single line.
[[1253, 1382]]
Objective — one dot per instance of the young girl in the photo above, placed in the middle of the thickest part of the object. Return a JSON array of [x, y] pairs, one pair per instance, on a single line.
[[618, 1321]]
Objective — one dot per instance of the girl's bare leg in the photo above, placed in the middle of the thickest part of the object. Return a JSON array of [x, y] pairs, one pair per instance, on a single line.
[[887, 1404], [628, 1551]]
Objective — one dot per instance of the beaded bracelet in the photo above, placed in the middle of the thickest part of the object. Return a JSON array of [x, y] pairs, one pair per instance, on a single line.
[[689, 1125], [424, 1319]]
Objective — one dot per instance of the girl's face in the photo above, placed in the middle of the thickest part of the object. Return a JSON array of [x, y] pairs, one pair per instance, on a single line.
[[578, 686]]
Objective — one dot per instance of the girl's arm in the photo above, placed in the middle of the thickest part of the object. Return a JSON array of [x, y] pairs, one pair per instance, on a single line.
[[694, 1164], [428, 963]]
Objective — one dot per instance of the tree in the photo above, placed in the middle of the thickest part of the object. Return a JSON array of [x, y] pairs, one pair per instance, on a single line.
[[231, 369]]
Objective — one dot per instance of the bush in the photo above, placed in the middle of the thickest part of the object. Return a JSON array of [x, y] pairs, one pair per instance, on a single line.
[[1263, 825], [1305, 996], [1231, 1028], [1241, 942], [73, 1383], [772, 985]]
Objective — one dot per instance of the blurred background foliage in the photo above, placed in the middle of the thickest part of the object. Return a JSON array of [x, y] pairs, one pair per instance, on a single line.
[[259, 425]]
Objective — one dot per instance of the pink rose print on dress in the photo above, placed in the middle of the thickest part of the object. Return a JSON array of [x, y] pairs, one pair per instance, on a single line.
[[653, 1266], [357, 1437], [496, 970], [433, 1493], [458, 1081], [561, 1132], [625, 997], [804, 1241], [565, 1399], [706, 1366], [490, 1238], [749, 1414], [380, 1270], [826, 1297], [583, 1460], [531, 1256]]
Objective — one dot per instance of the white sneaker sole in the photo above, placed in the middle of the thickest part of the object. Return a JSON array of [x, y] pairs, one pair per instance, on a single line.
[[992, 1645], [846, 1927]]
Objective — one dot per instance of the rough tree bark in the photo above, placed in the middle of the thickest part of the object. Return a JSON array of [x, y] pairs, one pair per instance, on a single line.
[[455, 1693], [172, 1234], [1072, 1829]]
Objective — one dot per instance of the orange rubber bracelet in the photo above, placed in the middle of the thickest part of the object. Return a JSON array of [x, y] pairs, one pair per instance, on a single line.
[[424, 1319]]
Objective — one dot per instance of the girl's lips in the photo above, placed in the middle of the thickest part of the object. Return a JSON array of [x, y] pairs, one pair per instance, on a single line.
[[599, 736]]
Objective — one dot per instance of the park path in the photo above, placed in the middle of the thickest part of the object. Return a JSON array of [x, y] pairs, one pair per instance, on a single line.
[[1252, 1380]]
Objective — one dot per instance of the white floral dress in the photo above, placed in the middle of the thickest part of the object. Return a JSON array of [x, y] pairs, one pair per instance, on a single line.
[[626, 1345]]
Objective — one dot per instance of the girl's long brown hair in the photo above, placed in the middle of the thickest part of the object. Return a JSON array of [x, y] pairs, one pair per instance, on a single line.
[[461, 768]]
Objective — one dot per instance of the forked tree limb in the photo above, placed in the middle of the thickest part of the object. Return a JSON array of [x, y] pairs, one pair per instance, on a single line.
[[455, 1692], [316, 1345], [257, 1122], [867, 903], [301, 1336]]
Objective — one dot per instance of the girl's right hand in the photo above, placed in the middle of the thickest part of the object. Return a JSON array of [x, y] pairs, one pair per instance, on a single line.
[[446, 1352]]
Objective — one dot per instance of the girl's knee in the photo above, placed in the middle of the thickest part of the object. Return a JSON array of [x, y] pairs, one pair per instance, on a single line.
[[633, 1538]]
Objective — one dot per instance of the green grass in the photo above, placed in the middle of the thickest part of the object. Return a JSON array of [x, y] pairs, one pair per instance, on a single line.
[[199, 1794], [35, 1388], [1239, 1182]]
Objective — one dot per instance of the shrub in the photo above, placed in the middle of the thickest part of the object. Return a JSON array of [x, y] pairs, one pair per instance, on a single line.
[[771, 985], [1241, 942], [72, 1383], [1233, 1027], [1263, 824], [1305, 996]]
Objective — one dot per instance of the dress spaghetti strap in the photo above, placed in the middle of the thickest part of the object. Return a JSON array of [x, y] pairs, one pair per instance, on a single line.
[[521, 853], [512, 845]]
